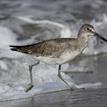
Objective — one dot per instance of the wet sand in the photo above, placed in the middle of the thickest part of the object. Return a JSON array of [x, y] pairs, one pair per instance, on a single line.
[[78, 98]]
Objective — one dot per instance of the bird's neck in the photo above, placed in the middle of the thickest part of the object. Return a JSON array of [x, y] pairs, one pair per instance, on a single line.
[[83, 41]]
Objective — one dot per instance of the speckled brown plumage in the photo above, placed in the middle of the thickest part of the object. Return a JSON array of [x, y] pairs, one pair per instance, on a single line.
[[53, 47]]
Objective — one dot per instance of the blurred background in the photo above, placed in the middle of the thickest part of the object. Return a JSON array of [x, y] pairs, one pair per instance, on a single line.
[[30, 21]]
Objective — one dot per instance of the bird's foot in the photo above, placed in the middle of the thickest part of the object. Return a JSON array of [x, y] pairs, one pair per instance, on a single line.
[[28, 87]]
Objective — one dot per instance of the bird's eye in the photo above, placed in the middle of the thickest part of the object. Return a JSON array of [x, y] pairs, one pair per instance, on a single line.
[[88, 29]]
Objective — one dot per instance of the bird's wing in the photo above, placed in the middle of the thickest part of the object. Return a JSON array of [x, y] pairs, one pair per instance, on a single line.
[[52, 48]]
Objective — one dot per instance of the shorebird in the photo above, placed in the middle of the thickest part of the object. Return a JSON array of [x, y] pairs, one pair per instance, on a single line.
[[58, 51]]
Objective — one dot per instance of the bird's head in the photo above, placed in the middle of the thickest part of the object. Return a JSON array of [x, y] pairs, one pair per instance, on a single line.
[[88, 30]]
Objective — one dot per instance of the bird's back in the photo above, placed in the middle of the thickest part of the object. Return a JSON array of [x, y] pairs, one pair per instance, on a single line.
[[53, 47]]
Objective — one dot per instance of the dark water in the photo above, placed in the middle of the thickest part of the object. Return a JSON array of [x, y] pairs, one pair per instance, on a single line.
[[72, 13]]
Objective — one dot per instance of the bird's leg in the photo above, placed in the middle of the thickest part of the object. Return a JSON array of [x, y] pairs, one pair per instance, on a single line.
[[30, 86], [60, 76]]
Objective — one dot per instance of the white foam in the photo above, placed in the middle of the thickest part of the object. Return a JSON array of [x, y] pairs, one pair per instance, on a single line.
[[90, 85], [64, 32], [7, 37]]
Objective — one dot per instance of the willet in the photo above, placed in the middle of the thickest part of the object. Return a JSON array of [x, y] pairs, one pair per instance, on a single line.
[[58, 51]]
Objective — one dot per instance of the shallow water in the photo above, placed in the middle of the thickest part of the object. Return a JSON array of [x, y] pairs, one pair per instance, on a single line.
[[66, 17]]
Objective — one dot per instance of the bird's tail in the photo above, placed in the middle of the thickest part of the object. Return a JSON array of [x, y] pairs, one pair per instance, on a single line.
[[14, 48], [18, 48]]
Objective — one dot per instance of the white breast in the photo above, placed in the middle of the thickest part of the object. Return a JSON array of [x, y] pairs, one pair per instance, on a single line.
[[65, 57]]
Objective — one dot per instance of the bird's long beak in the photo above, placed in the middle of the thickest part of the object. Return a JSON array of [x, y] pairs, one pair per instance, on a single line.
[[99, 36]]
